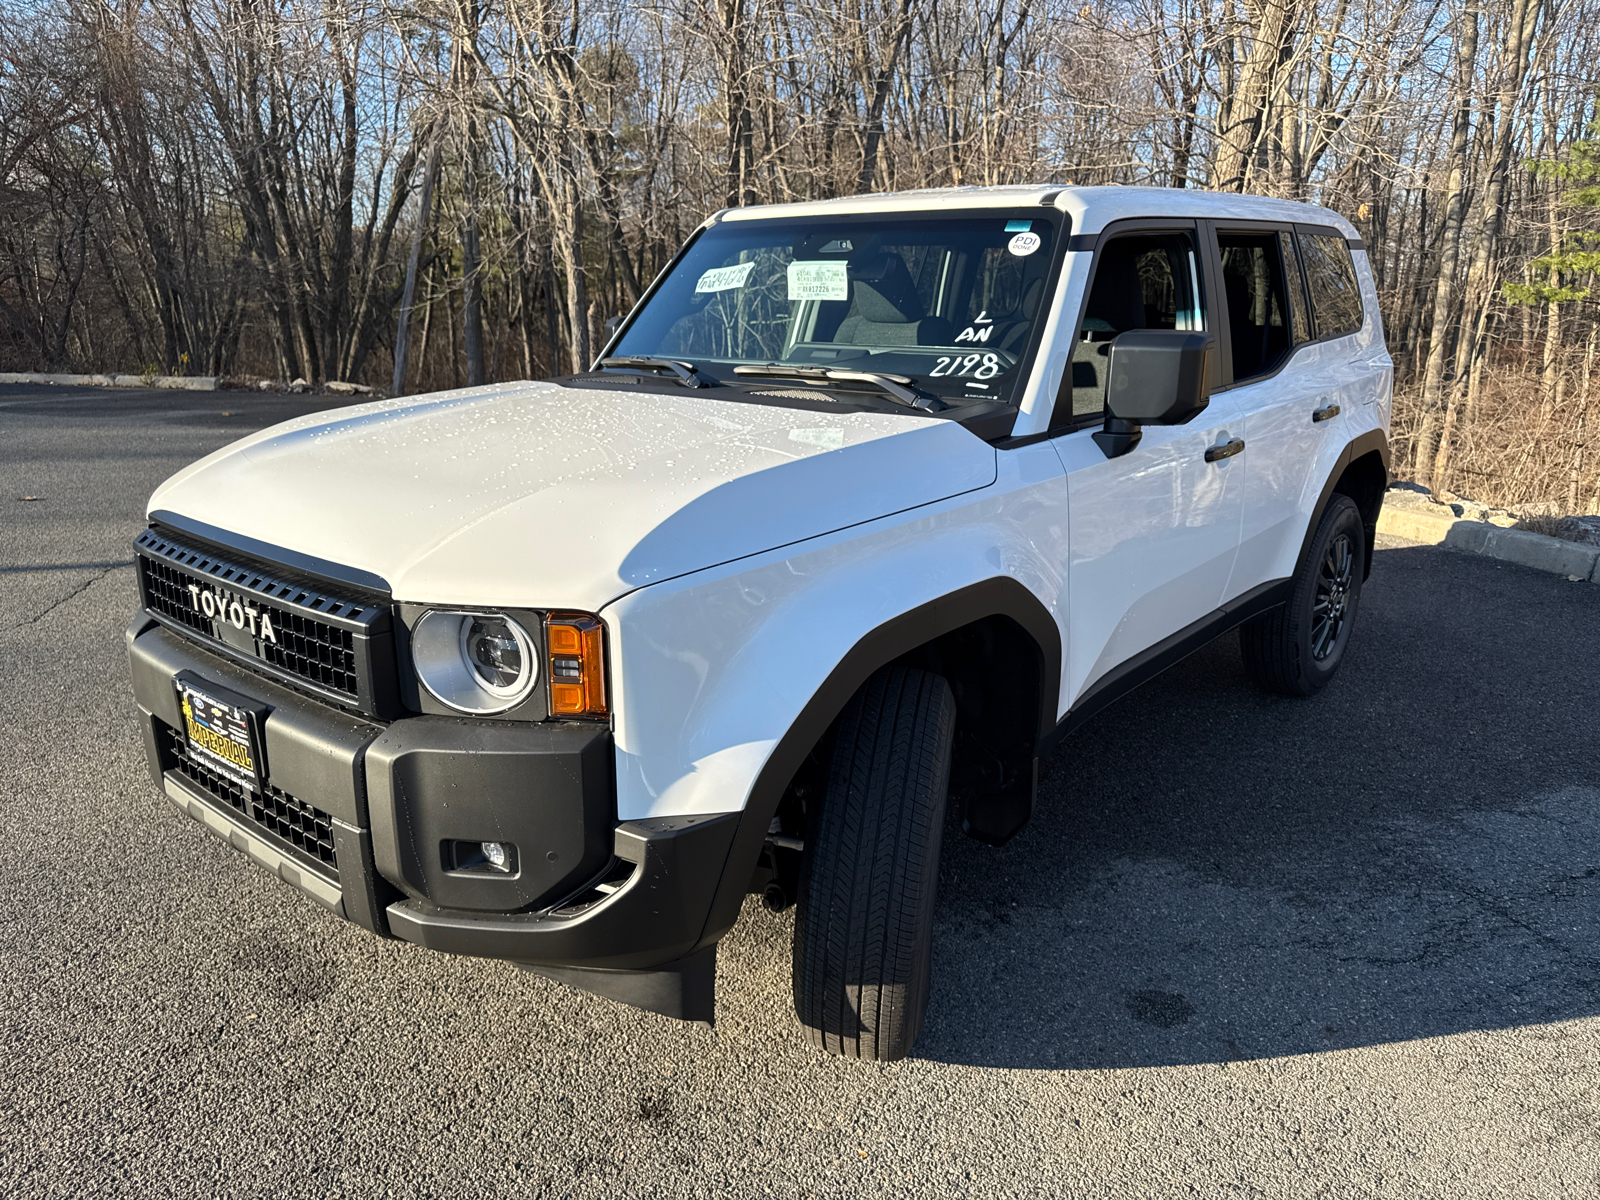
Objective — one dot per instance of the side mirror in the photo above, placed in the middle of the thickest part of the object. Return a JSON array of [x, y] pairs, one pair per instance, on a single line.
[[1154, 377]]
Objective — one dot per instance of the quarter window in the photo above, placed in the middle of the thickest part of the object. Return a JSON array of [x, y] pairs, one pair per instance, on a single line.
[[1331, 279], [1141, 281]]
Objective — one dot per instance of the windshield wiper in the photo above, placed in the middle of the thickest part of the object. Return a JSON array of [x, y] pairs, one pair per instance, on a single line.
[[685, 371], [898, 386]]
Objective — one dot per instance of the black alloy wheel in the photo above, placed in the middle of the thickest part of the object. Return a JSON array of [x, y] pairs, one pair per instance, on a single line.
[[1296, 648], [1331, 607]]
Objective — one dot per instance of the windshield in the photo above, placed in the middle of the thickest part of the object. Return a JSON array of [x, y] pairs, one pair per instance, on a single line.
[[949, 301]]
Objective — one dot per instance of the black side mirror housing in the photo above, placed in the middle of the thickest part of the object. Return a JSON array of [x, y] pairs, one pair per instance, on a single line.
[[1154, 377]]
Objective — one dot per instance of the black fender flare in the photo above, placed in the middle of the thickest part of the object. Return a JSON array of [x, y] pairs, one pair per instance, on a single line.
[[1001, 596], [1359, 447]]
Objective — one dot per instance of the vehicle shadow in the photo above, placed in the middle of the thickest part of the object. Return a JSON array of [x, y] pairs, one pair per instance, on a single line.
[[1214, 874]]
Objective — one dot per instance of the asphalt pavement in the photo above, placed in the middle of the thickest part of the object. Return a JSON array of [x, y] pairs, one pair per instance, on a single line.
[[1248, 946]]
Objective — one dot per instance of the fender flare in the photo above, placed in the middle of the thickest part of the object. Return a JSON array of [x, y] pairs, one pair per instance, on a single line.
[[1359, 447], [1001, 596]]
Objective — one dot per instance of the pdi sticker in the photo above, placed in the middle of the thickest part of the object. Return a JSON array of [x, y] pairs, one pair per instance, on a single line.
[[1024, 244]]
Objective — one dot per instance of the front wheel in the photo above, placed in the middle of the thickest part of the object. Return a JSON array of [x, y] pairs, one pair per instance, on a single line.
[[863, 934], [1296, 649]]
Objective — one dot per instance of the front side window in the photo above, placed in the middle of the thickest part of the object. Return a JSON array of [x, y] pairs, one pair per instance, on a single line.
[[1141, 281], [949, 301], [1331, 279], [1253, 286]]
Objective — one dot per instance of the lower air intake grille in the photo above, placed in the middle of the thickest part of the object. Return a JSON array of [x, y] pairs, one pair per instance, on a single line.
[[290, 822]]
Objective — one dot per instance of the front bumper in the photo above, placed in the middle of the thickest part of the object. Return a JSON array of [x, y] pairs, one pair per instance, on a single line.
[[593, 901]]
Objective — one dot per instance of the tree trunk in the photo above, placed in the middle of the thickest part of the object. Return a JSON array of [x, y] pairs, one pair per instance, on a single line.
[[1513, 79], [402, 338], [1450, 244], [1246, 109], [1580, 428], [471, 264], [899, 35]]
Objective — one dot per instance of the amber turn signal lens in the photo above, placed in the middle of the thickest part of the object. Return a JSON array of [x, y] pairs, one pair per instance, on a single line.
[[576, 646]]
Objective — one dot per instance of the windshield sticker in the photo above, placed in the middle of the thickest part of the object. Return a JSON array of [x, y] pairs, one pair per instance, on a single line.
[[1024, 244], [725, 279], [979, 366], [1018, 226], [819, 281], [980, 329]]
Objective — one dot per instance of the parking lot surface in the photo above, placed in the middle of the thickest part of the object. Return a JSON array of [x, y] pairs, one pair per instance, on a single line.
[[1247, 947]]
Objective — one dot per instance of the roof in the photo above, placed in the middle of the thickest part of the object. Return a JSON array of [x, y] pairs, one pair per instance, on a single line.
[[1091, 208]]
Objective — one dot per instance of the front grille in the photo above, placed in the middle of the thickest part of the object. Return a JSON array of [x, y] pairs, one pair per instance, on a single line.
[[312, 650], [289, 821], [339, 646]]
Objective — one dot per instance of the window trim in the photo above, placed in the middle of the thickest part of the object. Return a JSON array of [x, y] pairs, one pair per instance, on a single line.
[[1064, 422]]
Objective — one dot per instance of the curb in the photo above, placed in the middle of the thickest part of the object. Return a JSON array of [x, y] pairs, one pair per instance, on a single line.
[[1518, 546], [185, 383]]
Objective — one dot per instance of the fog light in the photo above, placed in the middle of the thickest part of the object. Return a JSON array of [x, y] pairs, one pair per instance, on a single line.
[[480, 858]]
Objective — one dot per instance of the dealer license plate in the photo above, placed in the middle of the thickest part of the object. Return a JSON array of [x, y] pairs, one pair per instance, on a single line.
[[222, 735]]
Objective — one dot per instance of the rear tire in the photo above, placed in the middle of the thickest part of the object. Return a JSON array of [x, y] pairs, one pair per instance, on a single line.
[[863, 935], [1295, 649]]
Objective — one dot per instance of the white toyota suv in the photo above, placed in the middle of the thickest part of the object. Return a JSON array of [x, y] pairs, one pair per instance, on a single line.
[[867, 504]]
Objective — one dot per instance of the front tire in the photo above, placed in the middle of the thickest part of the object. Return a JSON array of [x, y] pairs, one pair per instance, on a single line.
[[863, 935], [1295, 649]]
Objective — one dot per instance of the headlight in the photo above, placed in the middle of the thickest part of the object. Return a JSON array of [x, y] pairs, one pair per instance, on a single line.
[[474, 662]]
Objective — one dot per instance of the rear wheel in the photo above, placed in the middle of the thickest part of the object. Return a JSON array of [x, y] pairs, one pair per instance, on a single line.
[[1296, 649], [863, 933]]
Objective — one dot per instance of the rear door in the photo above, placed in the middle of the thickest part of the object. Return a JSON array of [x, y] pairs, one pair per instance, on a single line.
[[1153, 532], [1276, 378]]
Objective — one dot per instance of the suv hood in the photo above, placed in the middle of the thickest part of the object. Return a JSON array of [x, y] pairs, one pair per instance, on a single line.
[[537, 495]]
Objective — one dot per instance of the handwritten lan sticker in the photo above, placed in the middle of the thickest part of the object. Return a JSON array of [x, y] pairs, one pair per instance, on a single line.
[[724, 279], [1024, 244], [819, 281]]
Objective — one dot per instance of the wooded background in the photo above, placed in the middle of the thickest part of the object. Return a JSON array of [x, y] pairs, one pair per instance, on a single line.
[[237, 187]]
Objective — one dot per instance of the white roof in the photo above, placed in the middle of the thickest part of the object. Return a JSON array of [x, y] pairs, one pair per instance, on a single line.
[[1091, 208]]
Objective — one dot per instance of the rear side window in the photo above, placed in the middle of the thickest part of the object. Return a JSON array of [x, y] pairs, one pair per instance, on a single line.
[[1331, 280], [1253, 286]]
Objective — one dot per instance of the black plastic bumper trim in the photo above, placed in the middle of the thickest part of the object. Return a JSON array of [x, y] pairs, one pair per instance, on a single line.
[[654, 919], [313, 750], [685, 989]]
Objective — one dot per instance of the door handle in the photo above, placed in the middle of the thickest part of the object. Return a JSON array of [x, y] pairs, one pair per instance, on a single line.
[[1226, 450], [1323, 413]]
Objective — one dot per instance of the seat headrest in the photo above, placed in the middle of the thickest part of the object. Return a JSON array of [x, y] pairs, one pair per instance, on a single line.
[[884, 291]]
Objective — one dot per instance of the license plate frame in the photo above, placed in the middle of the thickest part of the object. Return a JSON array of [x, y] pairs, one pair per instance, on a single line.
[[222, 729]]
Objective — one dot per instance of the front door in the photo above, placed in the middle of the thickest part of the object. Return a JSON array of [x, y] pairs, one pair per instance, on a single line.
[[1152, 533]]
